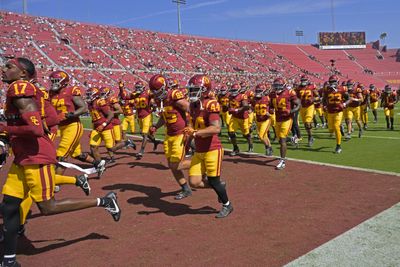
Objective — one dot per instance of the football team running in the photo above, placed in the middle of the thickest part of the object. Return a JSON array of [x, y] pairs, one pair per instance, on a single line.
[[39, 119]]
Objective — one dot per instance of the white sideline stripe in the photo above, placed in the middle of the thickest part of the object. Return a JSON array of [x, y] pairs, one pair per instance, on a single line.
[[322, 163], [365, 136], [374, 242], [302, 160]]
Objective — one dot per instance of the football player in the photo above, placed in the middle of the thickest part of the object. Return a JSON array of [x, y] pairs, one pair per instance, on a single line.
[[205, 167], [173, 107], [334, 103], [128, 108], [223, 100], [365, 105], [307, 94], [374, 96], [353, 109], [33, 169], [113, 102], [260, 104], [284, 103], [238, 108], [144, 104], [389, 99], [69, 103]]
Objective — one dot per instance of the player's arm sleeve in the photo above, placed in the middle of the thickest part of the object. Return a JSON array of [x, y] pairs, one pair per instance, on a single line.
[[33, 125]]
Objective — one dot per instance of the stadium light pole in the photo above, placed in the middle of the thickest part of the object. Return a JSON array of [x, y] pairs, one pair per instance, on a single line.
[[25, 6], [178, 10], [333, 15]]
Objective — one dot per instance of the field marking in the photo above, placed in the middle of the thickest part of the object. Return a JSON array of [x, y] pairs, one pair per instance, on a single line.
[[374, 242], [364, 136], [321, 163]]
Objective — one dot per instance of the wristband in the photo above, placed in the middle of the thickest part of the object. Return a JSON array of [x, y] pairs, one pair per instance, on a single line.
[[104, 124], [194, 134]]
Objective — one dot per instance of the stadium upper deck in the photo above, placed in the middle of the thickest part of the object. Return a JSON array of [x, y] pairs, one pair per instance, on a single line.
[[103, 54]]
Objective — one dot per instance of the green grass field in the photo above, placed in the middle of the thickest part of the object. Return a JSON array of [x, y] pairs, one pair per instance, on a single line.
[[378, 148]]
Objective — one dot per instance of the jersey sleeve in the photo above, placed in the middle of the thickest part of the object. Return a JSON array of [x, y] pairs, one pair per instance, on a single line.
[[213, 106], [177, 95], [292, 95], [114, 100], [76, 91], [21, 89]]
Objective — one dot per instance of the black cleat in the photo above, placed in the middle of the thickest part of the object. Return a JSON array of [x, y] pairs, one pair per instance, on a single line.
[[110, 160], [268, 151], [139, 155], [15, 264], [338, 150], [235, 152], [360, 133], [82, 182], [310, 141], [251, 149], [155, 145], [183, 194], [113, 207], [225, 211], [100, 167], [130, 143]]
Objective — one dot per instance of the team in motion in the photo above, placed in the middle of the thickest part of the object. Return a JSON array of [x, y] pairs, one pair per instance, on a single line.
[[191, 117]]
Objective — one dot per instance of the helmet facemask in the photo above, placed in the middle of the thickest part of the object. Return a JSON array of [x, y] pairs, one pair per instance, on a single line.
[[194, 93], [56, 84]]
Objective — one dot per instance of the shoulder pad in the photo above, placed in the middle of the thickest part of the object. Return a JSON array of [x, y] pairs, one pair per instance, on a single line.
[[113, 100], [76, 91], [212, 106], [101, 102], [177, 95], [21, 89]]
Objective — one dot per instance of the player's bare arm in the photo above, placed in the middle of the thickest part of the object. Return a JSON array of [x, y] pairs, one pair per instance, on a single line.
[[81, 106]]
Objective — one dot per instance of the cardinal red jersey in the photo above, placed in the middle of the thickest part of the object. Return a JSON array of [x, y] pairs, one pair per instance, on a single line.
[[223, 101], [143, 104], [261, 107], [307, 95], [282, 104], [49, 113], [365, 94], [27, 149], [99, 109], [112, 100], [202, 118], [334, 99], [250, 95], [236, 102], [318, 102], [63, 102], [374, 96], [128, 106], [355, 94], [174, 117], [388, 100]]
